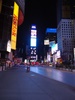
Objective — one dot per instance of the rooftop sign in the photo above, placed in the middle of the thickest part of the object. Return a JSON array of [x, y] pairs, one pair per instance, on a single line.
[[51, 30]]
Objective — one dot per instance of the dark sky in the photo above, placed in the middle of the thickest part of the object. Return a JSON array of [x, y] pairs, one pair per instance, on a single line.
[[42, 13]]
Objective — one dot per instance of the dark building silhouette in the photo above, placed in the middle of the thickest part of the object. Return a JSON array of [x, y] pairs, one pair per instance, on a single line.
[[6, 20], [65, 9]]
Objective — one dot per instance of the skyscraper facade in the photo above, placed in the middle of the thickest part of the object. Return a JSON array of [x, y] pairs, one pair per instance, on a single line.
[[66, 28], [65, 9]]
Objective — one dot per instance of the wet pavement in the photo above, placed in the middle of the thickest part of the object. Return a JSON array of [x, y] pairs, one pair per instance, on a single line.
[[66, 77], [18, 84]]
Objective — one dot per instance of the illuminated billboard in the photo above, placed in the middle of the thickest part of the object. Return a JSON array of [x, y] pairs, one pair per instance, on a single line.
[[33, 38], [33, 54], [51, 43], [21, 4], [54, 48], [46, 42], [33, 42], [51, 30], [14, 26], [33, 26], [9, 46]]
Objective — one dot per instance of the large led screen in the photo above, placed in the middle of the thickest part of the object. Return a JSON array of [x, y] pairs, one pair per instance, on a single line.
[[33, 33], [33, 42], [54, 48], [33, 38]]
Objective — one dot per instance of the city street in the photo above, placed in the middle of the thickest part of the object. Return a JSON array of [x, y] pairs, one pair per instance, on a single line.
[[18, 84], [59, 75]]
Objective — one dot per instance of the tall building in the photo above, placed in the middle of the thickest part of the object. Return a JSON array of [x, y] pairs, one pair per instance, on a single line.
[[50, 38], [33, 44], [66, 38], [65, 9], [66, 28], [11, 16], [51, 34]]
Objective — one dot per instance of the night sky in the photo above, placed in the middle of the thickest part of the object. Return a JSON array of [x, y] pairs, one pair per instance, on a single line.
[[43, 15]]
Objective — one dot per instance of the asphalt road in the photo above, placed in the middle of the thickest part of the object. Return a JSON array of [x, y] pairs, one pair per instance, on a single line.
[[63, 76], [18, 84]]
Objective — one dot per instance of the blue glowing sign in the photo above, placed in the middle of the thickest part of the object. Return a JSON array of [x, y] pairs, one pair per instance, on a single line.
[[33, 26], [51, 30]]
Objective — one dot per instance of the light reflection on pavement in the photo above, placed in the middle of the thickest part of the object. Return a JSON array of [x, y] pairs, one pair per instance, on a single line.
[[59, 75]]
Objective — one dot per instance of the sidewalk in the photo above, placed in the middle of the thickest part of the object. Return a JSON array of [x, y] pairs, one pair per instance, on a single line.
[[17, 84]]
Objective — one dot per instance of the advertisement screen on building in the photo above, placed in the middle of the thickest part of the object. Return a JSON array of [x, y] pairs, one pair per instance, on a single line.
[[9, 46], [33, 42], [54, 48], [51, 43], [33, 38], [21, 4], [51, 30], [14, 26], [46, 42]]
